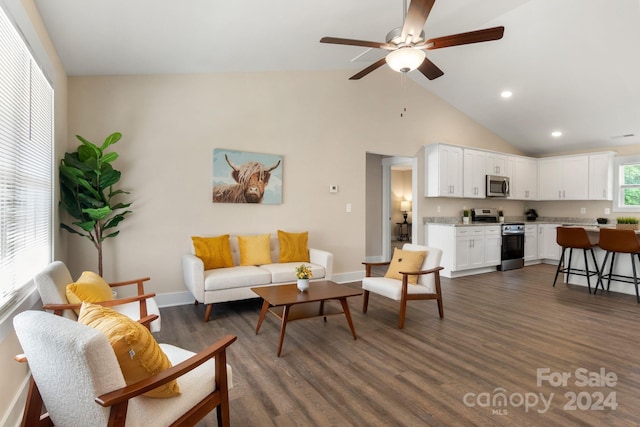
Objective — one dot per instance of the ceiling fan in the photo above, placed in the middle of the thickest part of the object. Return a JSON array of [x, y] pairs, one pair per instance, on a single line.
[[406, 44]]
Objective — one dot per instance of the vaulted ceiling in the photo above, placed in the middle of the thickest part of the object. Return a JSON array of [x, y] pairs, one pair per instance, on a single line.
[[572, 65]]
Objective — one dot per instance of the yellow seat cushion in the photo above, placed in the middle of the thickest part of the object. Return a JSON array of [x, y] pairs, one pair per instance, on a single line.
[[138, 353], [293, 246], [90, 287], [215, 252], [255, 250], [406, 261]]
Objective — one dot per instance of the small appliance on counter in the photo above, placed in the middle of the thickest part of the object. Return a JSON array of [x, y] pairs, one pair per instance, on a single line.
[[531, 214]]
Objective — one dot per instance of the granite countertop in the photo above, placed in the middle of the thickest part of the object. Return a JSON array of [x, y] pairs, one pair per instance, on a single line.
[[457, 222]]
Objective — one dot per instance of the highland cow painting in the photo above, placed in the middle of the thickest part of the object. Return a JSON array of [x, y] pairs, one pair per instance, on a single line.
[[242, 177]]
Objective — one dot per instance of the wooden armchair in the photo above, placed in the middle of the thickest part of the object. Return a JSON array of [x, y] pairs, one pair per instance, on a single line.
[[76, 376], [428, 286], [53, 280]]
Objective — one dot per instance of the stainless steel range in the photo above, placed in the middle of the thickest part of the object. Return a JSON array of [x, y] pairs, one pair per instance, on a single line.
[[512, 252]]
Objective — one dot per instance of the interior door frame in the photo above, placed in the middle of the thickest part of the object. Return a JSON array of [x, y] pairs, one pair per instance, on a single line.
[[387, 164]]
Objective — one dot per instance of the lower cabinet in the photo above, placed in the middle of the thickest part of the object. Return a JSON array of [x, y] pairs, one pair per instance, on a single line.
[[530, 242], [547, 247], [467, 249]]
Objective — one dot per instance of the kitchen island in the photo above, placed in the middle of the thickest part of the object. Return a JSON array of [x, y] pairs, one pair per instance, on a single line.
[[622, 264]]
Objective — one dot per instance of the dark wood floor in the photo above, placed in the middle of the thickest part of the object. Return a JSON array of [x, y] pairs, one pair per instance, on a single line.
[[498, 330]]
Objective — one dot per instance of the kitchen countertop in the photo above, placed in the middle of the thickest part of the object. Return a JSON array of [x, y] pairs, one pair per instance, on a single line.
[[456, 222]]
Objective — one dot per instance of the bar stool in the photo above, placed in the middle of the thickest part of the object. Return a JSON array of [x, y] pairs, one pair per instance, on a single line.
[[619, 241], [575, 238]]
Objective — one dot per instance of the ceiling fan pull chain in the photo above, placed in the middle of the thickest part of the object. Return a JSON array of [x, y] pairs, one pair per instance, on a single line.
[[403, 89]]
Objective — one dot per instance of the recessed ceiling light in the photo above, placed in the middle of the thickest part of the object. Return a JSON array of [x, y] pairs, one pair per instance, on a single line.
[[506, 94], [556, 134]]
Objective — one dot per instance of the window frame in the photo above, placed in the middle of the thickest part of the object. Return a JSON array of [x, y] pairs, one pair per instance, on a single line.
[[618, 186]]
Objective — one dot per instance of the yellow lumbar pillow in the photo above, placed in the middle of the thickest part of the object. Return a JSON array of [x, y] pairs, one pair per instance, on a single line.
[[255, 250], [90, 287], [293, 246], [138, 353], [214, 252], [406, 261]]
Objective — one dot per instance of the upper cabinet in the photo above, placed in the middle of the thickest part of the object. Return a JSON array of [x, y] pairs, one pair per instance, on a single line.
[[444, 174], [601, 176], [563, 178], [453, 171], [496, 164], [524, 178], [474, 175]]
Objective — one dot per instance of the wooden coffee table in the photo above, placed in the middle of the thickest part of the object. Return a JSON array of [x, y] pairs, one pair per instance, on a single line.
[[287, 303]]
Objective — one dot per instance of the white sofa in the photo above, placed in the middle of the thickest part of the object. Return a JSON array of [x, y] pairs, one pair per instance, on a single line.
[[235, 283]]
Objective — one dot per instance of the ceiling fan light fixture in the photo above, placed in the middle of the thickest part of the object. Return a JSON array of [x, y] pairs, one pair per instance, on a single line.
[[405, 59]]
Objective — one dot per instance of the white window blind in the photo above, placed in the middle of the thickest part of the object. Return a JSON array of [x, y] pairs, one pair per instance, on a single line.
[[26, 164]]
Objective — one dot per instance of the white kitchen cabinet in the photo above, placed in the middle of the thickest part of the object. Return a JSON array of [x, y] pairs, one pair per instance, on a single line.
[[563, 178], [474, 174], [496, 164], [524, 178], [492, 245], [530, 242], [469, 247], [444, 170], [547, 246], [601, 176]]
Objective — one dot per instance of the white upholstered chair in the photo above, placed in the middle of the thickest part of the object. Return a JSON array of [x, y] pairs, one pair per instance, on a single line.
[[76, 376], [52, 282], [428, 286]]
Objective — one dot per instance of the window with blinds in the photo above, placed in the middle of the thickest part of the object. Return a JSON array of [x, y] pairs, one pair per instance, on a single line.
[[26, 164]]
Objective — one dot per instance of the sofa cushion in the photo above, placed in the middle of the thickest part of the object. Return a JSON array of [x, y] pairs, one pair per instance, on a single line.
[[293, 246], [255, 250], [215, 252], [286, 272], [235, 277]]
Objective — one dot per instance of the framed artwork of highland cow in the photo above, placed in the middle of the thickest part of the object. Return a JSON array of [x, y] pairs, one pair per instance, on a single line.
[[244, 177]]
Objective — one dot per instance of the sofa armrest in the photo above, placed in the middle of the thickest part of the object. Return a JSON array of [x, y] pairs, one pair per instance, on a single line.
[[193, 275], [323, 258]]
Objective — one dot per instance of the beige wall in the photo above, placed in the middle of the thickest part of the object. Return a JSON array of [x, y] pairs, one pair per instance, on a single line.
[[322, 123]]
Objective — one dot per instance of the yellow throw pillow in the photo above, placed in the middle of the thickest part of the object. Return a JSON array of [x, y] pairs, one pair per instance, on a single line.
[[293, 246], [406, 261], [214, 252], [138, 353], [255, 250], [90, 287]]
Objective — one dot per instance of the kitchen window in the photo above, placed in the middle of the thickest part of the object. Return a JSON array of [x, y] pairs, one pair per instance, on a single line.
[[26, 165], [626, 184]]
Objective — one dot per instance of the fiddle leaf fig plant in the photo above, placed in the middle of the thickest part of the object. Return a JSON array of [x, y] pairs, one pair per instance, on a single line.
[[87, 178]]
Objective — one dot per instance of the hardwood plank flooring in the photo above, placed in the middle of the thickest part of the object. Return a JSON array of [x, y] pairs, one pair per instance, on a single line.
[[498, 329]]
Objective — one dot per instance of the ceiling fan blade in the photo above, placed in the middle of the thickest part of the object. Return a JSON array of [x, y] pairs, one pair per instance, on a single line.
[[430, 70], [478, 36], [351, 42], [369, 69], [416, 17]]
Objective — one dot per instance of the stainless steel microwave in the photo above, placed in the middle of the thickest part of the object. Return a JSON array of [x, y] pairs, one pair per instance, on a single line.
[[498, 186]]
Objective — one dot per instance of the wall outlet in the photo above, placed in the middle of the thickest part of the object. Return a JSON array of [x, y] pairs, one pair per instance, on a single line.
[[438, 208], [607, 211], [348, 207], [583, 210]]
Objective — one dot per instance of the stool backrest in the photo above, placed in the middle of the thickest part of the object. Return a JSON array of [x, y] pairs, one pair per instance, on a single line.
[[624, 241], [573, 237]]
